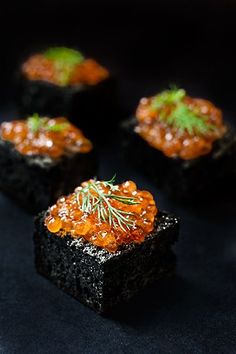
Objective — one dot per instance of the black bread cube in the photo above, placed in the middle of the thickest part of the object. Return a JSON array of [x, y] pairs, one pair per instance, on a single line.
[[90, 107], [186, 180], [36, 181], [101, 279]]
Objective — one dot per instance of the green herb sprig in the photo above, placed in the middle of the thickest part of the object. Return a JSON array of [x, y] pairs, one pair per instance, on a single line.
[[94, 199], [181, 116], [167, 97], [35, 123], [185, 119], [65, 60]]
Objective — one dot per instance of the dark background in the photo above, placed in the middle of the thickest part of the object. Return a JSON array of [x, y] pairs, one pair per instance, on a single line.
[[147, 44]]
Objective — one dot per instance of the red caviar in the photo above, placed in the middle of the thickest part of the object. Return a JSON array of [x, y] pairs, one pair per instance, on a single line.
[[88, 72], [45, 142], [173, 143], [68, 216]]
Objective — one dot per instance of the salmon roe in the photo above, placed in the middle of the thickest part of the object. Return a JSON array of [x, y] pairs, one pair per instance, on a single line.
[[169, 139], [88, 72], [47, 140], [68, 215]]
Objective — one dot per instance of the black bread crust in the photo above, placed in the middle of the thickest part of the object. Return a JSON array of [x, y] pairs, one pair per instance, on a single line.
[[90, 107], [35, 182], [101, 279], [187, 180]]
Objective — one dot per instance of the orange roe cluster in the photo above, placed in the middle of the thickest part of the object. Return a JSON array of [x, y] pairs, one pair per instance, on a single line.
[[88, 72], [68, 216], [169, 139], [47, 140]]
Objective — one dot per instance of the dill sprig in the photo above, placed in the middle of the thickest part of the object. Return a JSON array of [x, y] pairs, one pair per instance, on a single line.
[[167, 97], [185, 119], [35, 123], [67, 56], [181, 116], [65, 60], [95, 200]]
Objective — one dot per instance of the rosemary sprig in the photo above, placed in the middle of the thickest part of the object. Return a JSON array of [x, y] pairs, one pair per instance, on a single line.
[[35, 123], [93, 199], [181, 116]]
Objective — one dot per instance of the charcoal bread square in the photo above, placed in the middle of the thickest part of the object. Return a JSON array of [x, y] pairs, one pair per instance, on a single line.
[[36, 181], [101, 279], [187, 180]]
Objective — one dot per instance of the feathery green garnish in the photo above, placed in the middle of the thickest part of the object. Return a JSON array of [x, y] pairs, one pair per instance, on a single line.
[[58, 127], [181, 117], [94, 199], [65, 60], [172, 96], [185, 119], [67, 55], [35, 123]]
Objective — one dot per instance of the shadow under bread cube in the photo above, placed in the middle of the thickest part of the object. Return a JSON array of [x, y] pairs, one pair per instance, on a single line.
[[101, 279]]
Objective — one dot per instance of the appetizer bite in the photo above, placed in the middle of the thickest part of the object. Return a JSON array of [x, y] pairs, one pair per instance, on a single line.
[[62, 81], [183, 142], [41, 159], [104, 242]]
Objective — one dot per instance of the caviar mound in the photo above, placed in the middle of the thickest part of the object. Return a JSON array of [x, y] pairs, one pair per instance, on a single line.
[[64, 67], [104, 214], [44, 136], [179, 125], [101, 279]]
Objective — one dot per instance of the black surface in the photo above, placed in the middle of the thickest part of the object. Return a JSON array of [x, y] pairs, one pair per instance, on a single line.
[[148, 44]]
